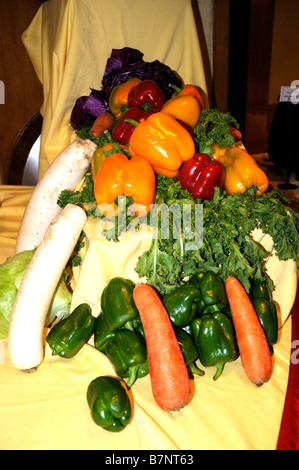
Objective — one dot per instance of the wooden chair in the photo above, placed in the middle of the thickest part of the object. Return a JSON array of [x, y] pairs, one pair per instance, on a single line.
[[1, 174], [21, 151]]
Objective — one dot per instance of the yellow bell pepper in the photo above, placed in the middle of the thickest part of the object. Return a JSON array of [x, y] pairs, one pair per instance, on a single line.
[[99, 156], [119, 176], [241, 171], [163, 142], [118, 98], [185, 108]]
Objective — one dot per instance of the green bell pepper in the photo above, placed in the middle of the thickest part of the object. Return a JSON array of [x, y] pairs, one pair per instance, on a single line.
[[117, 304], [68, 336], [212, 289], [109, 403], [181, 304], [189, 350], [265, 309], [102, 333], [214, 336], [260, 289], [267, 315], [128, 355]]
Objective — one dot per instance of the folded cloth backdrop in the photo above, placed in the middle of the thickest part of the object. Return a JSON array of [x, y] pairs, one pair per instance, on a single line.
[[69, 42]]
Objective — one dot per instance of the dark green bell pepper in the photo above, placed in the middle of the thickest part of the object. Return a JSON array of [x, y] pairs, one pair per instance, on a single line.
[[181, 304], [267, 315], [212, 289], [260, 289], [128, 355], [117, 303], [189, 350], [102, 333], [68, 336], [214, 336], [265, 309], [109, 403]]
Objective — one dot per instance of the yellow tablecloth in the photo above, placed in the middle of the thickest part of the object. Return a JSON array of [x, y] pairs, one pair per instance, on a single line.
[[48, 409], [69, 42]]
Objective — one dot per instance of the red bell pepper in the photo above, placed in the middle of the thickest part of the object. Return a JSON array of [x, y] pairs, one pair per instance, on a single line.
[[235, 133], [146, 95], [124, 128], [200, 176]]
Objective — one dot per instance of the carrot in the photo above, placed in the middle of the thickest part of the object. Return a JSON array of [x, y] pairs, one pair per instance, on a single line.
[[253, 346], [103, 122], [168, 372]]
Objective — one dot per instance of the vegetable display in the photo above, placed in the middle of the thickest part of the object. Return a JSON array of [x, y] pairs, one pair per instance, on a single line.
[[149, 152]]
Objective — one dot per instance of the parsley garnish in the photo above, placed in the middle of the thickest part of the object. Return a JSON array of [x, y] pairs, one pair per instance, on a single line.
[[212, 127]]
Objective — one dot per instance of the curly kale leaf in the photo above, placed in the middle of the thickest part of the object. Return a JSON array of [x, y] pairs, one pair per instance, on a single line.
[[213, 127]]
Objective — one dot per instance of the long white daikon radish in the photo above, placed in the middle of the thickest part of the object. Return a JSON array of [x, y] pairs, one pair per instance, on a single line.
[[65, 172], [27, 323]]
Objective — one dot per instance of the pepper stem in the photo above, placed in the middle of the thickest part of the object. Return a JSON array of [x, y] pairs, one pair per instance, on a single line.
[[146, 107], [219, 369], [195, 370], [132, 375], [131, 121], [176, 88]]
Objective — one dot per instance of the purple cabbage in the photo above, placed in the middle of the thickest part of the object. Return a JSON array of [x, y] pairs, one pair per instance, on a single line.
[[122, 65]]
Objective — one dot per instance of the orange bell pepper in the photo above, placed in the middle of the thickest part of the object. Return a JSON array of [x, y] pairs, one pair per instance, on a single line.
[[241, 171], [185, 108], [189, 90], [163, 142], [118, 99], [100, 155], [119, 176]]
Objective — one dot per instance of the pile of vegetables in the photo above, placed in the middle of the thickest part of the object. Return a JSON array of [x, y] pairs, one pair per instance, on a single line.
[[147, 144], [204, 320]]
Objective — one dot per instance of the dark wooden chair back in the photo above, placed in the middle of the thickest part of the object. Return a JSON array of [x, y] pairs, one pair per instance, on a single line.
[[21, 149]]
